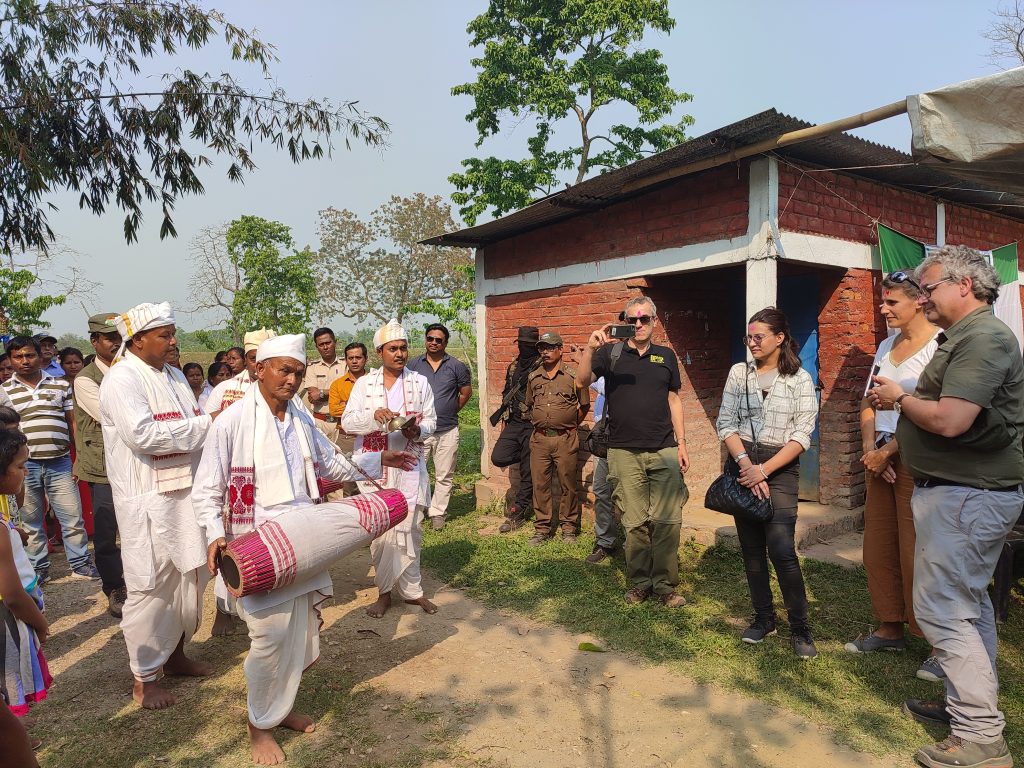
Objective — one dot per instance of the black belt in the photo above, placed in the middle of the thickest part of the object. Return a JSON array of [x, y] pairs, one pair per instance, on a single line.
[[934, 482]]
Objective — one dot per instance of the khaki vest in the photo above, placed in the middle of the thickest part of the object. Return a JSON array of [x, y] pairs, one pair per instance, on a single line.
[[89, 463]]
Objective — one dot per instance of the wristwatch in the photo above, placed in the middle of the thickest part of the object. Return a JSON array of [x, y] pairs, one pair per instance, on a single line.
[[896, 404]]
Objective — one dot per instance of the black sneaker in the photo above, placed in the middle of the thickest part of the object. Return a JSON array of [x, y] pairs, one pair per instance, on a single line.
[[758, 631], [116, 600], [511, 524], [932, 712], [42, 576], [599, 555], [803, 644]]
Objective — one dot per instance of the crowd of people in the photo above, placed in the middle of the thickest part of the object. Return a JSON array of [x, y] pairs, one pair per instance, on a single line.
[[177, 463]]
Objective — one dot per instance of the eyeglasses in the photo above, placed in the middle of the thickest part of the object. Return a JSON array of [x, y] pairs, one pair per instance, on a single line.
[[757, 338], [435, 340], [644, 320], [903, 277], [927, 289]]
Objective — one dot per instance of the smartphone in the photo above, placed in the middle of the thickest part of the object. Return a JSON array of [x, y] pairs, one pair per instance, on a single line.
[[622, 331], [871, 383]]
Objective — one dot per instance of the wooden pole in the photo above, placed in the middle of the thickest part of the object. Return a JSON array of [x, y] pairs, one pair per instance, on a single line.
[[777, 142]]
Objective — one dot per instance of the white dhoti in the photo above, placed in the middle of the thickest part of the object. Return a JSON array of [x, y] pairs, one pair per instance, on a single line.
[[284, 642], [155, 620], [396, 557]]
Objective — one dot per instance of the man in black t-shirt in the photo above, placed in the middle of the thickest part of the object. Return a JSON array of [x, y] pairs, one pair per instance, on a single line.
[[646, 449]]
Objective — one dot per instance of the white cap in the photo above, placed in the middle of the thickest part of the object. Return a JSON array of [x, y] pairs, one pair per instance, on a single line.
[[253, 339], [143, 318], [393, 331], [289, 345]]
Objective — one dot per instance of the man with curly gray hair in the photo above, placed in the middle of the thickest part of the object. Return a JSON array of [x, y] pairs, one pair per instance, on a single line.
[[961, 439]]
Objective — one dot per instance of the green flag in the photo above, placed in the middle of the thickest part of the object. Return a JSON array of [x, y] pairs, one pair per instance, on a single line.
[[1005, 262], [898, 250]]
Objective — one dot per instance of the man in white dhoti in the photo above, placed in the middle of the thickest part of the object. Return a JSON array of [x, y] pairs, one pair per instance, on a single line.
[[376, 399], [232, 390], [223, 395], [153, 431], [263, 458]]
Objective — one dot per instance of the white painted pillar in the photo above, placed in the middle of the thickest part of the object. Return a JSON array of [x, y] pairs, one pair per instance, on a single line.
[[762, 229], [481, 363], [940, 224]]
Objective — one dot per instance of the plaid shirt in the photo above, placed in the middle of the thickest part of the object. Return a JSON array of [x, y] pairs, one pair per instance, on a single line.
[[787, 413]]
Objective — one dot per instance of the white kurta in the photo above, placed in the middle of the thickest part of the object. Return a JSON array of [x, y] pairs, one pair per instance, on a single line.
[[227, 392], [283, 623], [396, 554], [162, 547]]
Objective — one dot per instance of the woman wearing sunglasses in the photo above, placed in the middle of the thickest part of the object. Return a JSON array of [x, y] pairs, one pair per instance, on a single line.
[[771, 402], [888, 519]]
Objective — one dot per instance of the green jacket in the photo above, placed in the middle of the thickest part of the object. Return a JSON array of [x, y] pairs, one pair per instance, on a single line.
[[90, 465]]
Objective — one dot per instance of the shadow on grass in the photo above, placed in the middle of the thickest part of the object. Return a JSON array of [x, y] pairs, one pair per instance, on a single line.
[[858, 696]]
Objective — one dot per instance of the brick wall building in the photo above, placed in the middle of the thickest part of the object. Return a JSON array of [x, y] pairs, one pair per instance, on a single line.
[[712, 247]]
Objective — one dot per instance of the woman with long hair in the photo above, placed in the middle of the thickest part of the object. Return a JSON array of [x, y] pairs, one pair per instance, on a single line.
[[215, 374], [771, 401], [889, 536], [72, 361]]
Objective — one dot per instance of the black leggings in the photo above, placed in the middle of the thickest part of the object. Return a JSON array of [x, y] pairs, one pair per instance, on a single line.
[[775, 540]]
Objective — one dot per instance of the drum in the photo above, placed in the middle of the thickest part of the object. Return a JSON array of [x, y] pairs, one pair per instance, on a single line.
[[305, 540]]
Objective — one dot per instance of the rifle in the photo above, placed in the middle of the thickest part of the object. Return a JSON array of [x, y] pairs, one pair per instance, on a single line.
[[506, 401]]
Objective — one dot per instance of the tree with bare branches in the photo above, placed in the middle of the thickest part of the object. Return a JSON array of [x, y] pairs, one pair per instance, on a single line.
[[216, 278], [379, 268], [1006, 33]]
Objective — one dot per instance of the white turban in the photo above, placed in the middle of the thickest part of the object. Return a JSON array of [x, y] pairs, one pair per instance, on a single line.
[[143, 318], [289, 345], [393, 331], [253, 339]]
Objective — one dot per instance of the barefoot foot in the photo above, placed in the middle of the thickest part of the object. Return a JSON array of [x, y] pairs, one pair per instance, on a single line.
[[380, 607], [223, 625], [426, 605], [265, 750], [186, 667], [299, 722], [153, 695]]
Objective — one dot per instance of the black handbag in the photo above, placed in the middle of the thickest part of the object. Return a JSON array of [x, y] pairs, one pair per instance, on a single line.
[[729, 496], [596, 442]]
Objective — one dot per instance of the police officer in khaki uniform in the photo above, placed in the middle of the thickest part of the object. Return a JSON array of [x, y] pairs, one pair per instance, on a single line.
[[320, 374], [557, 406]]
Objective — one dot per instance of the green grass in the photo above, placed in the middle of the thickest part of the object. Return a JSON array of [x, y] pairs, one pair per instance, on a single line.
[[858, 697]]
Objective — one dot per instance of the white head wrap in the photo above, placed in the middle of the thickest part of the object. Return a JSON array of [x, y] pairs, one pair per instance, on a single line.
[[393, 331], [289, 345], [143, 318], [253, 339]]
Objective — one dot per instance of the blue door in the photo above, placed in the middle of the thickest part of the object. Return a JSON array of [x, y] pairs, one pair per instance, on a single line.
[[798, 298]]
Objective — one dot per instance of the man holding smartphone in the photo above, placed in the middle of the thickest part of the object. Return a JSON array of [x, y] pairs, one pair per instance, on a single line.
[[646, 448]]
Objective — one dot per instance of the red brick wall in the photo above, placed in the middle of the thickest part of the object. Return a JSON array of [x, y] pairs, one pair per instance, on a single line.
[[977, 229], [701, 208], [815, 203], [849, 329], [693, 310]]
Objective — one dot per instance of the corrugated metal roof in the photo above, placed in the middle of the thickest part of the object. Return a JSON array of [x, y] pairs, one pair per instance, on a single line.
[[839, 150]]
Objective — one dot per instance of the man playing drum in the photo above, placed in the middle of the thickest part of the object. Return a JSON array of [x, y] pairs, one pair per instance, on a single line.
[[264, 456], [393, 408]]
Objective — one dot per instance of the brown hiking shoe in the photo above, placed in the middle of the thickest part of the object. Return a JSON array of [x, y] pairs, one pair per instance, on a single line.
[[115, 601], [954, 752], [637, 595], [672, 600]]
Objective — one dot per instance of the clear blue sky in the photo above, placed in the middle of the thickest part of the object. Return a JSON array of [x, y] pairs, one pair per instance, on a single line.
[[815, 60]]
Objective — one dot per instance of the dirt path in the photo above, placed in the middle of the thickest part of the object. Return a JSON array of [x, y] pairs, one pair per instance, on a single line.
[[468, 686]]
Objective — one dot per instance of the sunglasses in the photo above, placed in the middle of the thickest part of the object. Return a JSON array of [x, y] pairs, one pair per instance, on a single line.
[[757, 338], [903, 277], [435, 340], [644, 320]]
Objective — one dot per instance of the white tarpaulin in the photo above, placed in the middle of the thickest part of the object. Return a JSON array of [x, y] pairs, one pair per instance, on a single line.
[[974, 129]]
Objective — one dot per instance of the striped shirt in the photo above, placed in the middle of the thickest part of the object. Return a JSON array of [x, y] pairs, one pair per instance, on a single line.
[[43, 410]]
